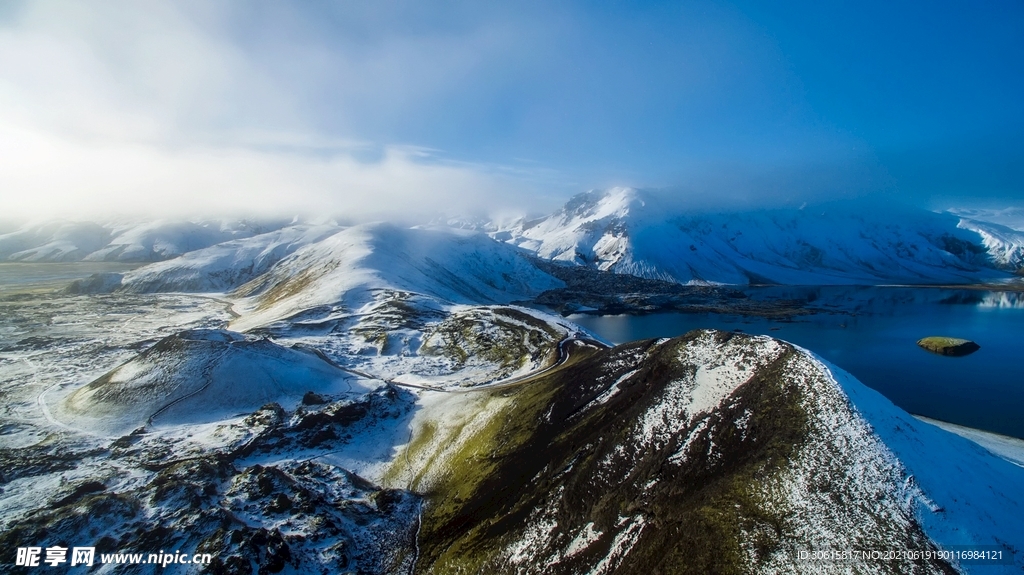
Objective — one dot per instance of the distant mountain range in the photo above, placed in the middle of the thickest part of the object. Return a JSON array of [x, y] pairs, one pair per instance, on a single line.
[[622, 230], [633, 232], [149, 241]]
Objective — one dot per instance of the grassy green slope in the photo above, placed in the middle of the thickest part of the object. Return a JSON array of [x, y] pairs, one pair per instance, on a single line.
[[570, 475]]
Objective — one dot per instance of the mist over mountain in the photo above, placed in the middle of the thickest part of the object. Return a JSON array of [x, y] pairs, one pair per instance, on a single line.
[[136, 241], [650, 235], [647, 234]]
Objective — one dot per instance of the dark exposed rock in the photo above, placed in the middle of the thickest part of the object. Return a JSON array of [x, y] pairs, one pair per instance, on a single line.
[[269, 414], [312, 398], [589, 290], [78, 492], [39, 459]]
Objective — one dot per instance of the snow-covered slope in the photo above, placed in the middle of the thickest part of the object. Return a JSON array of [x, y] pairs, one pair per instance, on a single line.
[[61, 241], [224, 266], [1004, 244], [454, 266], [709, 453], [163, 239], [1012, 218], [630, 231], [53, 241], [970, 497], [200, 376]]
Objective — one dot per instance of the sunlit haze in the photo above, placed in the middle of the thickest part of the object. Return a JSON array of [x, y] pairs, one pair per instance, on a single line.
[[371, 109]]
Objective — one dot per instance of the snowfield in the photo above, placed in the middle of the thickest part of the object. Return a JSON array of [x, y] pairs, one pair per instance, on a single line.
[[224, 266], [201, 376], [634, 232], [455, 266], [971, 496]]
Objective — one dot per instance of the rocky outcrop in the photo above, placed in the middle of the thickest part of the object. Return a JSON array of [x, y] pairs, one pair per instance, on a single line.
[[708, 453], [948, 346]]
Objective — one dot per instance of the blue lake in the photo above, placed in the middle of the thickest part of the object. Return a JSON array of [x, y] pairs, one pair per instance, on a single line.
[[872, 333]]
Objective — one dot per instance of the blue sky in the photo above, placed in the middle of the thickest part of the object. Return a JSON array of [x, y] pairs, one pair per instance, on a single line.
[[360, 107]]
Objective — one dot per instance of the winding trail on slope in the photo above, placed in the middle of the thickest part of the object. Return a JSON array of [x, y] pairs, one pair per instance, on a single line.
[[564, 346], [229, 306], [563, 357], [209, 382], [41, 398]]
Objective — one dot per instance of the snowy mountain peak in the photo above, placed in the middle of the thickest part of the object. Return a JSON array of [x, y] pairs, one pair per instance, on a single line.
[[629, 231], [592, 228], [1004, 242], [456, 266], [598, 204]]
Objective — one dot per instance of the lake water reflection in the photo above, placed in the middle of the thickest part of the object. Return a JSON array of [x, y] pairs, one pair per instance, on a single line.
[[872, 332]]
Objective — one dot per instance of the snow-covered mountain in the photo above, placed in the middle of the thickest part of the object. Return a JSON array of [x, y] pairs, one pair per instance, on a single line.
[[1004, 244], [708, 453], [1012, 218], [368, 399], [201, 376], [65, 241], [633, 232], [217, 268], [455, 266], [622, 230], [53, 241]]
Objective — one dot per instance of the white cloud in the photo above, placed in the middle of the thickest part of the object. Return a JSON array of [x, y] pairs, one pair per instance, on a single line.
[[142, 108], [50, 175]]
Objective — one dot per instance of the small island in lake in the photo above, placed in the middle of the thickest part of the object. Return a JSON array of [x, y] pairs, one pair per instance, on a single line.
[[948, 346]]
